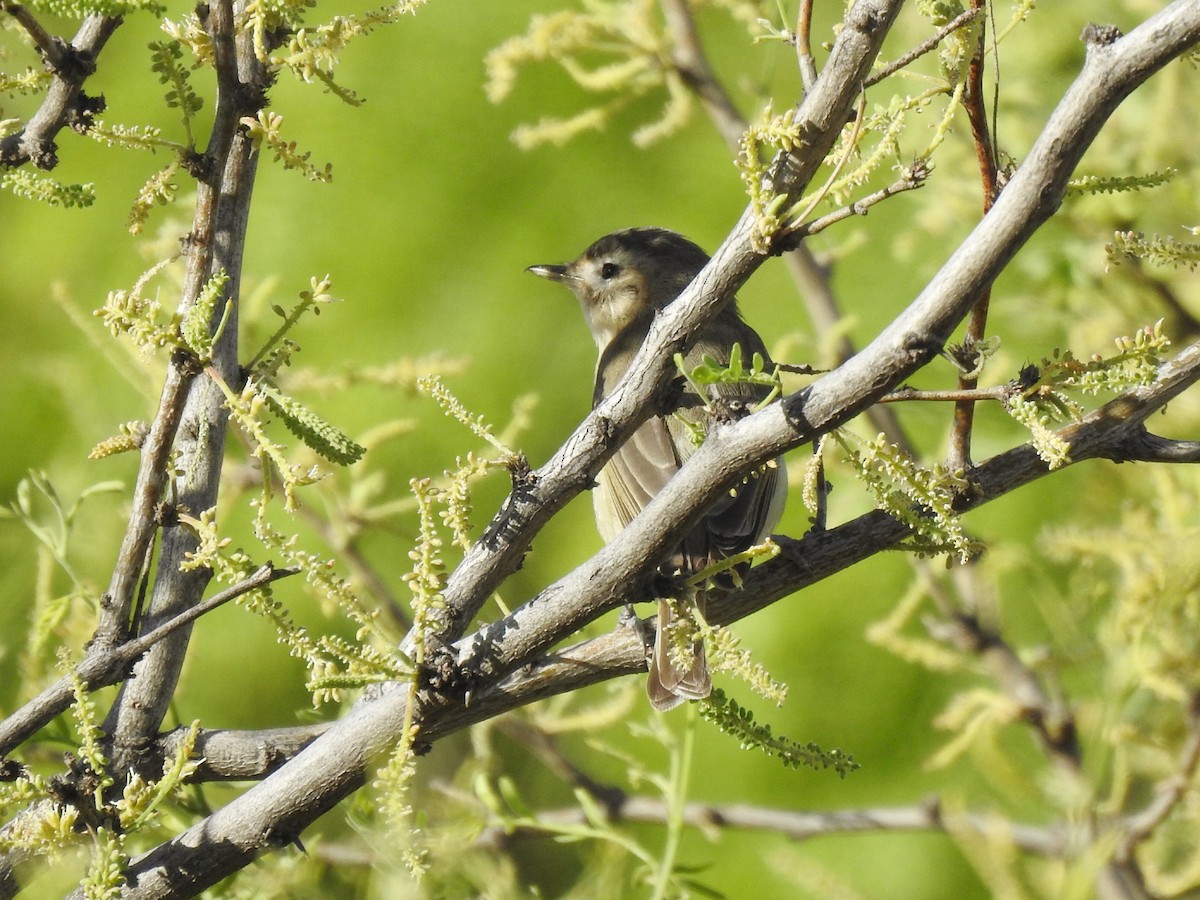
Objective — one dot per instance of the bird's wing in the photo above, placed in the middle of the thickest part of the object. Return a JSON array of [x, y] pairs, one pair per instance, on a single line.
[[648, 460], [636, 472], [751, 510]]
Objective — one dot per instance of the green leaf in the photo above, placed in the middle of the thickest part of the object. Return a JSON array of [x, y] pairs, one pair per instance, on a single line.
[[318, 434]]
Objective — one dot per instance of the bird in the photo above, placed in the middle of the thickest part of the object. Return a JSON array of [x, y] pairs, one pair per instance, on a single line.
[[622, 281]]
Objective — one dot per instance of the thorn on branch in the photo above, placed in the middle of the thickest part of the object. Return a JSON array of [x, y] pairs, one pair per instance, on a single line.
[[440, 673], [521, 473], [74, 66], [801, 369], [1099, 35], [42, 154], [199, 165]]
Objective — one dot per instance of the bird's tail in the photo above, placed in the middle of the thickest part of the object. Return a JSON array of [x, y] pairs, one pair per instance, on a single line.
[[667, 686]]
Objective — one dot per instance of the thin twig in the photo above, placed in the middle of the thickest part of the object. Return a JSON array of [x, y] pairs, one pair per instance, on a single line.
[[64, 101], [690, 62], [921, 49], [105, 665], [959, 456], [859, 207], [804, 56], [546, 749], [50, 47], [1000, 392], [795, 825]]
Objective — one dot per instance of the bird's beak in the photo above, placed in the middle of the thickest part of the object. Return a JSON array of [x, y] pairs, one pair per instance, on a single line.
[[554, 273]]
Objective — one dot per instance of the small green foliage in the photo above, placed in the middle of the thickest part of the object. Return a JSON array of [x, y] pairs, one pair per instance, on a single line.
[[159, 189], [139, 317], [760, 142], [87, 720], [878, 134], [141, 800], [427, 579], [401, 373], [1044, 405], [312, 53], [1138, 571], [49, 827], [453, 407], [612, 48], [958, 47], [1021, 10], [883, 128], [269, 359], [265, 129], [737, 721], [973, 716], [923, 498], [892, 634], [197, 322], [1115, 184], [320, 436], [725, 654], [1135, 364], [814, 483], [133, 137], [334, 663], [34, 186], [683, 633], [52, 532], [130, 437], [504, 801], [1040, 414], [31, 81], [1159, 250], [247, 409], [166, 62], [393, 786], [80, 9], [190, 33], [105, 876], [709, 371], [426, 582]]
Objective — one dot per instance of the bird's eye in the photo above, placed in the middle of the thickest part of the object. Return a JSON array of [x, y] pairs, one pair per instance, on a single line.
[[609, 270]]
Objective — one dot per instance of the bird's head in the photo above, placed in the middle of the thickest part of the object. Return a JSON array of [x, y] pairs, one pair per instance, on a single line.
[[627, 276]]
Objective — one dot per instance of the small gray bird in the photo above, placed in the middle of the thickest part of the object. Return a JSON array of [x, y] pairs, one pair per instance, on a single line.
[[622, 281]]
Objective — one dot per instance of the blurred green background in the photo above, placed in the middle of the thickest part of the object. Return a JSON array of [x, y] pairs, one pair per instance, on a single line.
[[431, 218]]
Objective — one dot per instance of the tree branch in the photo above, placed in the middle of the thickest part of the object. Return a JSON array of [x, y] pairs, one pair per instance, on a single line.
[[51, 48], [985, 151], [798, 826], [65, 102], [687, 56], [108, 665], [922, 48], [215, 246]]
